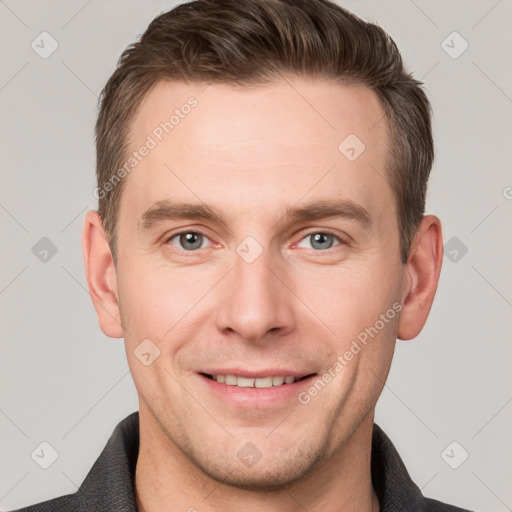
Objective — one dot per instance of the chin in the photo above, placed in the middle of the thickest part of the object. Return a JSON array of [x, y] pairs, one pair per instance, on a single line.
[[250, 480], [266, 475]]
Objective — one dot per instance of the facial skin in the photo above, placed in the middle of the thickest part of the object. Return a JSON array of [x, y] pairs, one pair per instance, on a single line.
[[251, 154]]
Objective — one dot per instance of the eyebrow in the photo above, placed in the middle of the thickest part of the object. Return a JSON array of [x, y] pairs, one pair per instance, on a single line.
[[167, 210]]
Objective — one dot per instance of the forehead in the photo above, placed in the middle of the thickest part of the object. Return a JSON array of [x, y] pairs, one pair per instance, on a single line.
[[256, 147]]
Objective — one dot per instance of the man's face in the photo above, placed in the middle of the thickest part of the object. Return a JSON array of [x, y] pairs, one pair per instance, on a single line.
[[259, 292]]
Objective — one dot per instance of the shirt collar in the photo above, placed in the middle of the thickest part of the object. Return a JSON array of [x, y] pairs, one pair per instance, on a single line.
[[111, 479]]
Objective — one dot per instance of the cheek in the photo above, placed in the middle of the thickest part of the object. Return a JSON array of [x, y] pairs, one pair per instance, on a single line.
[[348, 299], [158, 301], [350, 302]]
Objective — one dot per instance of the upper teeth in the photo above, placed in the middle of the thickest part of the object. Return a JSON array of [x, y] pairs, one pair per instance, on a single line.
[[262, 382]]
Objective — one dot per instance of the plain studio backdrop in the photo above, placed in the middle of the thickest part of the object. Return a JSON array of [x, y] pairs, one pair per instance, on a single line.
[[447, 405]]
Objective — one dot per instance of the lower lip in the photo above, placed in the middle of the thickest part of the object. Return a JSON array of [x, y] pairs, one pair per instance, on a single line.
[[256, 397]]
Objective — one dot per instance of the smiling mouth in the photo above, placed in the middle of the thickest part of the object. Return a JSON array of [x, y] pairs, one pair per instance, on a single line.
[[261, 382]]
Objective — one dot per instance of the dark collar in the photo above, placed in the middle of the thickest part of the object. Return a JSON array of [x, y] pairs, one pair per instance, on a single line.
[[109, 483]]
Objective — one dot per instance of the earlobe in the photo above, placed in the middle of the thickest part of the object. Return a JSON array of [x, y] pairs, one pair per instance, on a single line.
[[101, 275], [422, 276]]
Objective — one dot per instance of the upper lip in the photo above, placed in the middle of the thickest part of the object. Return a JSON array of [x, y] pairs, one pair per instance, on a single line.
[[256, 374]]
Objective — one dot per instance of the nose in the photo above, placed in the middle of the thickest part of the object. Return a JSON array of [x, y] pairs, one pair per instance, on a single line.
[[255, 300]]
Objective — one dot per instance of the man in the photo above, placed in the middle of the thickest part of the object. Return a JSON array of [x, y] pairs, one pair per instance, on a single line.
[[260, 244]]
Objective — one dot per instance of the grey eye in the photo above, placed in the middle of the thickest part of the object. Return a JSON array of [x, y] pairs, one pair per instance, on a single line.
[[319, 241], [189, 240]]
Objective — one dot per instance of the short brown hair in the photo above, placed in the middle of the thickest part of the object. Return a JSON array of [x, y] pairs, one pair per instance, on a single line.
[[253, 42]]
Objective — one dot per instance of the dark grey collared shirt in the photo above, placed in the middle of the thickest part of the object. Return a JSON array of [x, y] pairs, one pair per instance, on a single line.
[[109, 485]]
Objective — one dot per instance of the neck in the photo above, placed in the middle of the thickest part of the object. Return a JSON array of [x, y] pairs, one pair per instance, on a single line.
[[165, 479]]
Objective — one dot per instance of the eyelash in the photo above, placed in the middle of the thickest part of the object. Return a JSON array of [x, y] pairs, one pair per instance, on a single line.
[[189, 254]]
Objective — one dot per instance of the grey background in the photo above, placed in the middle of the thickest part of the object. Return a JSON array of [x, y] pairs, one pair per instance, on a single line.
[[62, 381]]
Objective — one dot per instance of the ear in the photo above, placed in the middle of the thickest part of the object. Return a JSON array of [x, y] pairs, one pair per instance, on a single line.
[[101, 275], [422, 276]]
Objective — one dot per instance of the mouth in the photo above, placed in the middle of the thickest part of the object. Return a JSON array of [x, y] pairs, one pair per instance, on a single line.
[[261, 382], [250, 390]]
